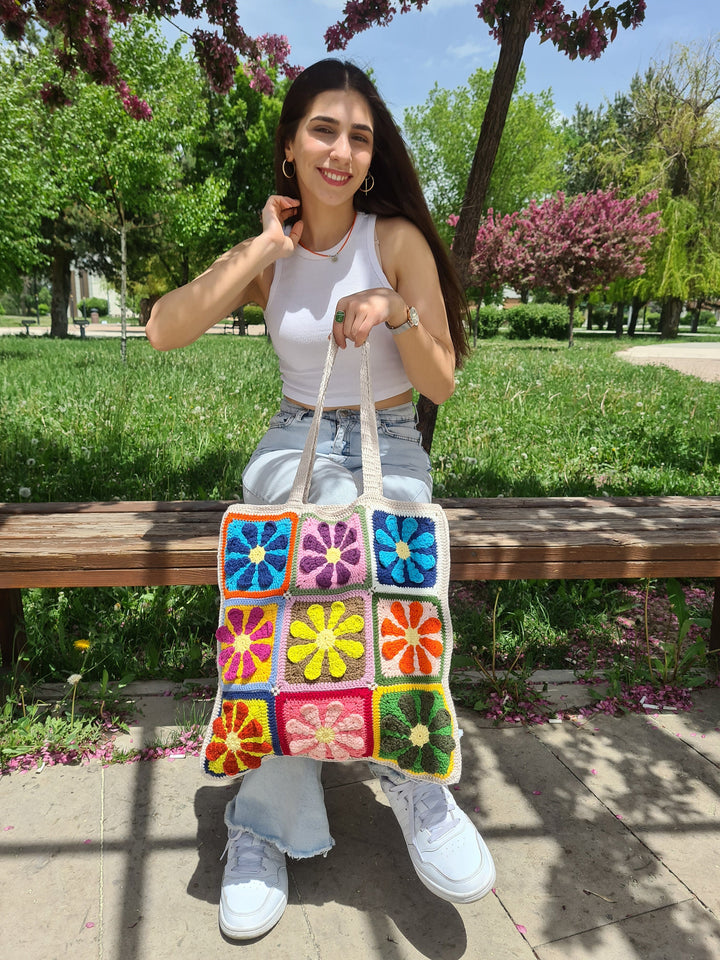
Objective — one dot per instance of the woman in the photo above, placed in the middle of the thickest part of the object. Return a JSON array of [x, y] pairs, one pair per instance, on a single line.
[[347, 249]]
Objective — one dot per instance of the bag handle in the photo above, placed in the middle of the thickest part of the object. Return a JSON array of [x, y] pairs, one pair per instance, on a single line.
[[372, 471]]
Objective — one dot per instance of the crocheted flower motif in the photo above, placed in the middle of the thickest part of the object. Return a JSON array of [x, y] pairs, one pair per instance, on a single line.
[[328, 634], [416, 731], [406, 549], [329, 737], [245, 644], [331, 554], [256, 554], [239, 740], [412, 637]]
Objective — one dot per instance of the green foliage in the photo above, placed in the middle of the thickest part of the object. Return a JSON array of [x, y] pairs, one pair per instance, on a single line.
[[443, 134], [528, 320]]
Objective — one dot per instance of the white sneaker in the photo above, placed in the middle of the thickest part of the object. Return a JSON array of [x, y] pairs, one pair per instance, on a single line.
[[254, 890], [448, 853]]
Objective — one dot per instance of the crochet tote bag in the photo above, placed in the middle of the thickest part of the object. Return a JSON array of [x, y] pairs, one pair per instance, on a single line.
[[335, 638]]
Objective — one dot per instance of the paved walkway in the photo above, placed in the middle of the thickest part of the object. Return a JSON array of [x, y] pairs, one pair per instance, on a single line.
[[698, 359], [606, 835]]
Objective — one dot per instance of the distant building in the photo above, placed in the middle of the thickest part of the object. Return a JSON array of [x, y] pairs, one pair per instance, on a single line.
[[83, 285]]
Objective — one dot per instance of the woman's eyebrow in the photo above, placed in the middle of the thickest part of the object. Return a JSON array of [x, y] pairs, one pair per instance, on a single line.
[[355, 126]]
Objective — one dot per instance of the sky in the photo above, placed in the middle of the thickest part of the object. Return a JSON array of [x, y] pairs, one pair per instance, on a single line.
[[445, 42]]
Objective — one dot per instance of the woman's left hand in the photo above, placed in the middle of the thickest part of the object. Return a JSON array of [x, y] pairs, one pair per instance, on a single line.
[[364, 310]]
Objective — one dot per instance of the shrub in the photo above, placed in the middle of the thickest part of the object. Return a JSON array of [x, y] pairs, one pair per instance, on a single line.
[[93, 303], [253, 314], [539, 320], [487, 321], [707, 318]]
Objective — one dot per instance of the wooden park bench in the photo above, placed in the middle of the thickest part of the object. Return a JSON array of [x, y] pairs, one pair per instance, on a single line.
[[153, 543]]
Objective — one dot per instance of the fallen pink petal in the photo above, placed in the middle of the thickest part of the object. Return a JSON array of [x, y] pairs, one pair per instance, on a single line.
[[521, 929]]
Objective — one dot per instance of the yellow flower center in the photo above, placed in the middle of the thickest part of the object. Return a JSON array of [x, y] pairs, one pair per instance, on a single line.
[[325, 734], [233, 741], [332, 555], [325, 639], [412, 637], [257, 554], [402, 549], [419, 735]]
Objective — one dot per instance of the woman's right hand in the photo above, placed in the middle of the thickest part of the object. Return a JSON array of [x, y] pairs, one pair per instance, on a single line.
[[276, 211]]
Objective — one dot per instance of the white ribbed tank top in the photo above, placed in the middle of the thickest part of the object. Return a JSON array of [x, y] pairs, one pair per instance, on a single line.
[[300, 312]]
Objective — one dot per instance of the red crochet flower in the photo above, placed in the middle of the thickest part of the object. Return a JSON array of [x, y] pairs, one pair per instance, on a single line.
[[237, 738]]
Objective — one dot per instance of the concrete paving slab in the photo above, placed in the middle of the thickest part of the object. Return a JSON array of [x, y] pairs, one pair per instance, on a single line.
[[49, 863], [665, 794], [364, 899], [565, 863], [699, 727], [684, 930], [164, 839]]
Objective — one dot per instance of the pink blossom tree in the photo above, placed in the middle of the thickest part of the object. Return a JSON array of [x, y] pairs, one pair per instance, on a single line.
[[567, 246], [83, 30]]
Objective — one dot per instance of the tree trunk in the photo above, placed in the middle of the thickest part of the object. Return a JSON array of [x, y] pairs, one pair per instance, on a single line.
[[670, 317], [588, 325], [571, 321], [634, 314], [619, 319], [695, 320], [515, 31], [60, 281]]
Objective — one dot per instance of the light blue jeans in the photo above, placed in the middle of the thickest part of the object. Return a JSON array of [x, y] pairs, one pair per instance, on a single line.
[[282, 801]]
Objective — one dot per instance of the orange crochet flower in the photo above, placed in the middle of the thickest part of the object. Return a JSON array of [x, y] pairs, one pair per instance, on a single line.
[[237, 742], [408, 632]]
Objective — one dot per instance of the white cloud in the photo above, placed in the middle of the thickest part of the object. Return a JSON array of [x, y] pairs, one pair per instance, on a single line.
[[468, 49]]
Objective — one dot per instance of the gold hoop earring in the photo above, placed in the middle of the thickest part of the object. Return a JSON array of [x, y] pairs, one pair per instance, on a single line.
[[367, 187], [288, 176]]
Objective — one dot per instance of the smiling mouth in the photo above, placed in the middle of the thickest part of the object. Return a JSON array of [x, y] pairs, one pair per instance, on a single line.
[[334, 177]]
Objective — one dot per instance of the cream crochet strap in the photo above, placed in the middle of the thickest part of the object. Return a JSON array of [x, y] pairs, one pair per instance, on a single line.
[[372, 471]]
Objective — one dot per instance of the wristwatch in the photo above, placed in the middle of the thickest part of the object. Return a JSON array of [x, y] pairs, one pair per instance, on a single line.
[[413, 320]]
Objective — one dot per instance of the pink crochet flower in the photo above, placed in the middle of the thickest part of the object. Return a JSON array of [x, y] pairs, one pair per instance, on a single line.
[[332, 737], [244, 643]]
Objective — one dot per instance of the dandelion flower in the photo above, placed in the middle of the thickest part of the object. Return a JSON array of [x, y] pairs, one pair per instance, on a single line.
[[74, 679], [82, 645], [25, 491]]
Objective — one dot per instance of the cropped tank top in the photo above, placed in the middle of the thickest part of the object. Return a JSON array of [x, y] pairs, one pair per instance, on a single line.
[[300, 312]]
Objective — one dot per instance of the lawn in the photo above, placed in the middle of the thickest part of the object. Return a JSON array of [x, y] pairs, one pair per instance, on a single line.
[[527, 419]]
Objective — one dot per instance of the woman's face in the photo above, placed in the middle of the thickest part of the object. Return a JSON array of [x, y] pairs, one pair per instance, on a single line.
[[333, 146]]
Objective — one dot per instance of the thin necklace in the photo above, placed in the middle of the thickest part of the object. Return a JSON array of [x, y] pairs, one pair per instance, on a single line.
[[332, 256]]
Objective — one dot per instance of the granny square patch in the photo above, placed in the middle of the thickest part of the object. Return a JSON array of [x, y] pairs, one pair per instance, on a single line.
[[331, 555], [405, 550], [326, 640], [411, 638], [326, 725], [240, 736], [246, 640], [257, 554], [414, 729]]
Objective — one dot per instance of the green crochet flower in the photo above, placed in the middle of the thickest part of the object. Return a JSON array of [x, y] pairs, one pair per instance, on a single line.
[[416, 731]]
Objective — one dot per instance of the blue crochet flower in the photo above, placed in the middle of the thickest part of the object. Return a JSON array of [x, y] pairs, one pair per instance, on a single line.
[[256, 554], [405, 549]]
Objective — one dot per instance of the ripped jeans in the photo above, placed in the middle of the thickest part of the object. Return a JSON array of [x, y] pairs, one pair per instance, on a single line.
[[282, 801]]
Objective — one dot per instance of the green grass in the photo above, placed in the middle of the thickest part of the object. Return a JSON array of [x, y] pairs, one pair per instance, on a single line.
[[527, 419]]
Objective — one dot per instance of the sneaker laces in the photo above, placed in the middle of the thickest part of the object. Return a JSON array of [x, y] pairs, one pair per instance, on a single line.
[[246, 855], [430, 806]]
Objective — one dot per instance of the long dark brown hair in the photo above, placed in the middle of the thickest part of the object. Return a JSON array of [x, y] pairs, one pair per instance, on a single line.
[[397, 191]]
